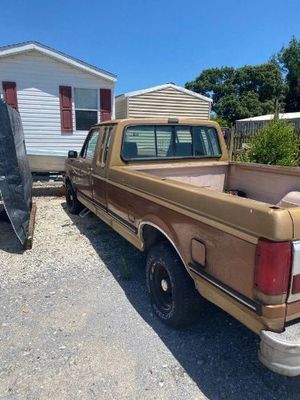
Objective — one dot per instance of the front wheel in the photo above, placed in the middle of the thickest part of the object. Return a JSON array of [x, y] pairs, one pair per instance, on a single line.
[[172, 291], [74, 206]]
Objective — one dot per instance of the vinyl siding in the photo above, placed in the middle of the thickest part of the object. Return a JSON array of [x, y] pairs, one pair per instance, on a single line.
[[121, 108], [38, 78], [167, 102]]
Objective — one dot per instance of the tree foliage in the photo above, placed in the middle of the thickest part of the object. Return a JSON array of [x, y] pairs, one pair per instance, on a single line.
[[289, 57], [276, 143], [221, 121], [242, 92]]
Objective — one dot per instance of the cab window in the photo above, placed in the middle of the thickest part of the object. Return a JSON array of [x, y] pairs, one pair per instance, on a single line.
[[141, 142]]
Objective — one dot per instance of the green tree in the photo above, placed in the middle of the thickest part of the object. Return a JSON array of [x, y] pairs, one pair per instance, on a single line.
[[221, 121], [289, 57], [276, 143], [242, 92]]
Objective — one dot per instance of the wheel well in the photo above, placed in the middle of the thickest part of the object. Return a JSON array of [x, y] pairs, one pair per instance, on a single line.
[[152, 236]]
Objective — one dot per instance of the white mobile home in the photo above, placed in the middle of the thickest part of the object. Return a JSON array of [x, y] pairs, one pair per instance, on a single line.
[[58, 97], [166, 100]]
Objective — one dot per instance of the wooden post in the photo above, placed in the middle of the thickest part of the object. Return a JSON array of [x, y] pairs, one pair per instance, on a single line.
[[231, 143]]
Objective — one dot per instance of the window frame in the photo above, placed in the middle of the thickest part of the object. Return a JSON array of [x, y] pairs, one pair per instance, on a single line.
[[173, 139], [107, 141], [97, 110]]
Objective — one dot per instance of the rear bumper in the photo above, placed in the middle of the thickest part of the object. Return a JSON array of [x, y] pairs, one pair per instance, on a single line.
[[280, 352]]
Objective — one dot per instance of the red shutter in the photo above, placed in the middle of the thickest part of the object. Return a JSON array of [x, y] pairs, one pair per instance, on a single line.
[[10, 94], [65, 97], [105, 104]]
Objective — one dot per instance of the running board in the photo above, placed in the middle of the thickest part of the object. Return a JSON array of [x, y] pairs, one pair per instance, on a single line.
[[84, 212]]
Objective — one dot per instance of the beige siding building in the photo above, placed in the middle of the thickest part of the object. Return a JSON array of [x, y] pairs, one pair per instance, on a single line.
[[166, 100]]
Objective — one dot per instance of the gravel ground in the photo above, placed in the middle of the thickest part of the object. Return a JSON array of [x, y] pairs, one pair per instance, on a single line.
[[72, 327]]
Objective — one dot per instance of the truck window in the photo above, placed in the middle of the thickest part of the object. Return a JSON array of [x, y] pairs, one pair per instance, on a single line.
[[140, 142], [89, 148], [164, 139], [183, 142], [206, 141], [167, 141]]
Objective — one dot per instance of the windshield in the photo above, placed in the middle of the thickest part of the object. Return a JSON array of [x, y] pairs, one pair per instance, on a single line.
[[170, 141]]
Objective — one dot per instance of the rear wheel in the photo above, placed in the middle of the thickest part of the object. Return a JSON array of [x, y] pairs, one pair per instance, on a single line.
[[172, 291], [74, 206]]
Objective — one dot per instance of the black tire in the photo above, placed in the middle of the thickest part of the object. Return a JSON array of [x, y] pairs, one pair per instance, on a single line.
[[172, 291], [74, 206]]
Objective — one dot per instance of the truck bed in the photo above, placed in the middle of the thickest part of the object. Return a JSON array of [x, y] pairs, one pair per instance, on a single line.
[[263, 183]]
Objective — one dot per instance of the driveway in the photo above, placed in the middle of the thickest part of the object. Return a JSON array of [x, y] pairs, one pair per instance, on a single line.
[[76, 324]]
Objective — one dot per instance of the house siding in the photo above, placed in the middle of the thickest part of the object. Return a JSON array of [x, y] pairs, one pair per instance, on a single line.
[[121, 108], [167, 102], [38, 78]]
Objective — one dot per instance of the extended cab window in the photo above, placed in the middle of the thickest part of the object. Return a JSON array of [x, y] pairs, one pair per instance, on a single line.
[[167, 141], [90, 145]]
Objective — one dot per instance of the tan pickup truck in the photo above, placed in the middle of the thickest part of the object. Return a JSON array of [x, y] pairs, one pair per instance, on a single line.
[[229, 231]]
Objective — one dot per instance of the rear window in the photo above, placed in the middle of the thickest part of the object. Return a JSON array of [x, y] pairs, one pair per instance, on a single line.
[[142, 142]]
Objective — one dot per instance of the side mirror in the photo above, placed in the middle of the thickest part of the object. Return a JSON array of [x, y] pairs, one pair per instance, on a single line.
[[72, 154]]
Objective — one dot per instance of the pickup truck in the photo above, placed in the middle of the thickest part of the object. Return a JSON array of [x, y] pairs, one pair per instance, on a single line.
[[213, 229]]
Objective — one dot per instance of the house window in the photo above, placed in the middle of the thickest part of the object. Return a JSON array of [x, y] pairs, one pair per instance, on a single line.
[[86, 108]]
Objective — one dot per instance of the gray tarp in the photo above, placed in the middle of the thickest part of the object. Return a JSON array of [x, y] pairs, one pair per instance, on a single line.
[[15, 175]]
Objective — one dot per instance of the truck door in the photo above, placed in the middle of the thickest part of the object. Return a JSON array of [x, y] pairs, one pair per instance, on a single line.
[[86, 164], [99, 174]]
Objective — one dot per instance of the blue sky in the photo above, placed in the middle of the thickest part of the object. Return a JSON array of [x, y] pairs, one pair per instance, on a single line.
[[148, 43]]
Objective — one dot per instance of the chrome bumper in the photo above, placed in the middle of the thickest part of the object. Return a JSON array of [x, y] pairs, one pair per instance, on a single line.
[[280, 352]]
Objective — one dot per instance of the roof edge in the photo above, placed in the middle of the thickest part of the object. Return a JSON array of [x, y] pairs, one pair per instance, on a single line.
[[59, 55], [268, 117], [164, 86]]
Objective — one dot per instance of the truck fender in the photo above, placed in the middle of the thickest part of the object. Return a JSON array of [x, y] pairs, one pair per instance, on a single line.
[[166, 235]]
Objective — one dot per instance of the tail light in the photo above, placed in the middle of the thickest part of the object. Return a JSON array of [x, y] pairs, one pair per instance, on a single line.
[[272, 271]]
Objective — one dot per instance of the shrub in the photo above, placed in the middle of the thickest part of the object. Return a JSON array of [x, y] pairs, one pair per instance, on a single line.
[[221, 121], [276, 143]]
